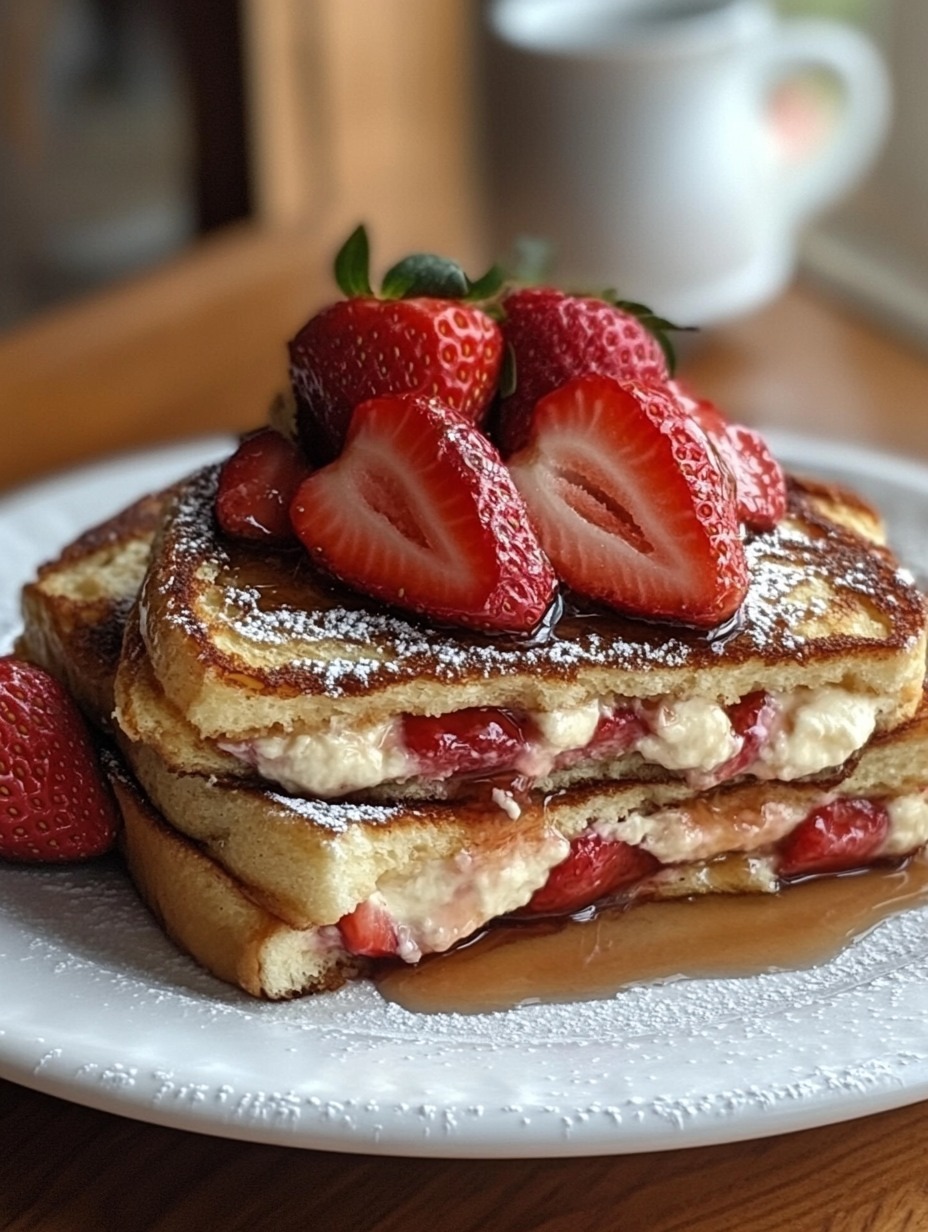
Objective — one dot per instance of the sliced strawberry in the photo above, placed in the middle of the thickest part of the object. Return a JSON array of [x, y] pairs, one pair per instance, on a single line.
[[841, 835], [421, 334], [420, 512], [753, 718], [630, 503], [615, 732], [760, 484], [554, 337], [369, 930], [464, 742], [760, 480], [595, 868], [54, 803], [256, 486]]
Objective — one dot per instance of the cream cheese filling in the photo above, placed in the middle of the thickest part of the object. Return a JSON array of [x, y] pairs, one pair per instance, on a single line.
[[683, 835], [814, 729], [445, 901], [817, 732]]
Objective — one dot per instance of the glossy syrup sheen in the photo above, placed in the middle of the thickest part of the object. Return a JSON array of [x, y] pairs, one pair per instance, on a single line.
[[863, 590], [715, 936]]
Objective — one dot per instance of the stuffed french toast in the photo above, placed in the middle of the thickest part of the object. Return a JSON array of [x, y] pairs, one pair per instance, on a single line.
[[493, 619]]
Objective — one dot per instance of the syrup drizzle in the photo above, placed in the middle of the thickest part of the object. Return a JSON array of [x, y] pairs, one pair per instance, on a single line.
[[716, 936]]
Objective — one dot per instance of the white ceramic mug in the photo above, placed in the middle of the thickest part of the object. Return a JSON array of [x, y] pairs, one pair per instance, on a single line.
[[636, 136]]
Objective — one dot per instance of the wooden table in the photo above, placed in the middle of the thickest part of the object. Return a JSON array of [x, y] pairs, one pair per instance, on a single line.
[[199, 346]]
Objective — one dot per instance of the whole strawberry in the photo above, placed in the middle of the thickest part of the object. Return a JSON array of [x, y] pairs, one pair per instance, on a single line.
[[553, 337], [54, 805], [424, 333]]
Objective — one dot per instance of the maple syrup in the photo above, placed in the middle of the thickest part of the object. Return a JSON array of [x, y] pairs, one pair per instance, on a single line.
[[715, 936]]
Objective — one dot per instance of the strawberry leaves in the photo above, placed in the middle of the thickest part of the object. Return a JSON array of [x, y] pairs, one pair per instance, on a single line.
[[419, 274], [352, 264]]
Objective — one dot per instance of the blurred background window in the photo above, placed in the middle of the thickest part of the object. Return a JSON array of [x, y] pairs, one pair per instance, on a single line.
[[873, 249], [124, 135]]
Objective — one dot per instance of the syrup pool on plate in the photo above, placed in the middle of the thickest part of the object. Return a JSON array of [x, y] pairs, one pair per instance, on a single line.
[[715, 936]]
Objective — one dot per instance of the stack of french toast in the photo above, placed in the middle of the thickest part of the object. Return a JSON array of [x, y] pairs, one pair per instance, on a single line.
[[317, 775]]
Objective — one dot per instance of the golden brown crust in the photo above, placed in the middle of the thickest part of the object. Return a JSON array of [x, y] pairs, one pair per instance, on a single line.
[[75, 610], [243, 877], [243, 645], [843, 506], [212, 917]]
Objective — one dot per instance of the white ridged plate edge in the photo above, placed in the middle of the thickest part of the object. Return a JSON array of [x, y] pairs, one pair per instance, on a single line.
[[98, 1007]]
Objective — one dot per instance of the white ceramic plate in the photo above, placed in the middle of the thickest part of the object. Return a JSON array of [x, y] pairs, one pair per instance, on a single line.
[[98, 1007]]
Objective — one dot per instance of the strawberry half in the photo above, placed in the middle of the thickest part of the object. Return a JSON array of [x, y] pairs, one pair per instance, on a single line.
[[420, 512], [630, 503], [54, 804], [424, 333], [553, 337], [256, 486], [760, 484]]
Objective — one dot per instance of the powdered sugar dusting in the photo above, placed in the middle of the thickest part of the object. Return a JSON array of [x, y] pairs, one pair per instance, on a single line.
[[800, 572], [149, 1034], [337, 816]]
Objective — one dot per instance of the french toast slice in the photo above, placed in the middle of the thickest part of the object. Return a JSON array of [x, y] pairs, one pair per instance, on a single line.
[[75, 610], [227, 926], [211, 916], [312, 862], [255, 883], [314, 688]]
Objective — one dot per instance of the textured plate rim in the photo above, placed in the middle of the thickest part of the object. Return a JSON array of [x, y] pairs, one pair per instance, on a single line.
[[187, 1096]]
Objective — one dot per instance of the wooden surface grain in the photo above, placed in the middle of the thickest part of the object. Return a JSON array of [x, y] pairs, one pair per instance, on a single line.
[[199, 346], [70, 1169], [196, 347]]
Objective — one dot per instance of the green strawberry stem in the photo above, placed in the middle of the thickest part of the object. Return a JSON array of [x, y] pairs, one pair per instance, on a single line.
[[421, 274], [425, 274]]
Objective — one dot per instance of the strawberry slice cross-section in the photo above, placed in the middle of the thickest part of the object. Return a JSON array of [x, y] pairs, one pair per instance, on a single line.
[[840, 835], [594, 868], [420, 512], [630, 503]]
